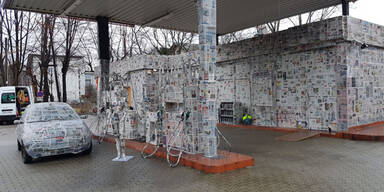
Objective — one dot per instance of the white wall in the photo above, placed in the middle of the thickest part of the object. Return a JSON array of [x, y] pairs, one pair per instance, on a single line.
[[75, 84]]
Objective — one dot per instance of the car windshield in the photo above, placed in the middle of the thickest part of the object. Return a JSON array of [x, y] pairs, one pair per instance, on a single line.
[[50, 112]]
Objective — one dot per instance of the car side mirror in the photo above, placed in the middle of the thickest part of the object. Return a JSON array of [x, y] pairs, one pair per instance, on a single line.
[[17, 122], [84, 117]]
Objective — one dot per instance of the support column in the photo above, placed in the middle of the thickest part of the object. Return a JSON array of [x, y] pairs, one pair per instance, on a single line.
[[207, 62], [103, 36], [345, 5]]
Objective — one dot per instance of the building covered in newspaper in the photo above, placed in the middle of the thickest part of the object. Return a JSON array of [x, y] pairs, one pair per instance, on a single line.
[[320, 76]]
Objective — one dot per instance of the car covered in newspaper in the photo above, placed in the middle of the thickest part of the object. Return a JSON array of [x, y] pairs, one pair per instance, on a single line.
[[50, 129]]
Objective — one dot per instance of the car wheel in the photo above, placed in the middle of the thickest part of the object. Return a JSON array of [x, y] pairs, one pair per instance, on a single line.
[[88, 151], [18, 146], [24, 155]]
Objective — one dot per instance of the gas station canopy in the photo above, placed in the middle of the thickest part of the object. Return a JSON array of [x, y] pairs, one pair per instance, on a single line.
[[232, 15]]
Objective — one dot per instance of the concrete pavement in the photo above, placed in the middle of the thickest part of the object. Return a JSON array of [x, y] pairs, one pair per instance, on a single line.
[[318, 164]]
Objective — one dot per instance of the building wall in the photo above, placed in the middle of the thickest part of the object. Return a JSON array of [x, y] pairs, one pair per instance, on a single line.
[[365, 72], [75, 79], [75, 84], [319, 73], [284, 89], [288, 78], [315, 75], [365, 85]]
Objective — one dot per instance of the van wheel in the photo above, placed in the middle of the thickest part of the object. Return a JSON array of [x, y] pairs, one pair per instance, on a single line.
[[24, 155], [18, 146]]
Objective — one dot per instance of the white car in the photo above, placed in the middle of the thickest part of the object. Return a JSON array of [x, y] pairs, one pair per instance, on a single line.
[[49, 129]]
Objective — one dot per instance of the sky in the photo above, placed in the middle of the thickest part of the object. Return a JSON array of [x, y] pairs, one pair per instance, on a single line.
[[368, 10]]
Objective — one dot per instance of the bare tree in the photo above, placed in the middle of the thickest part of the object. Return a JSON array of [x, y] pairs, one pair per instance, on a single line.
[[74, 31], [31, 74], [232, 37], [127, 41], [314, 16], [241, 35], [274, 26], [134, 41], [54, 57], [45, 54], [70, 33], [138, 41], [88, 56], [89, 45], [168, 42], [18, 26], [2, 70]]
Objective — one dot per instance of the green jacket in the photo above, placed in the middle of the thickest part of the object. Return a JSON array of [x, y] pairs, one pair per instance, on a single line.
[[247, 117]]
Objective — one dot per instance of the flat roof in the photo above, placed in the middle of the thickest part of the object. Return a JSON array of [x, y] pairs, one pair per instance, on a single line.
[[181, 15]]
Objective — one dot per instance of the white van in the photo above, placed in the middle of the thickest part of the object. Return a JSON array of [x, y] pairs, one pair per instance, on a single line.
[[13, 101]]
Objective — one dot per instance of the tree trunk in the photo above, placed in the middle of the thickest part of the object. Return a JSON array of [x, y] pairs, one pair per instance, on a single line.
[[6, 63], [41, 78], [45, 57], [15, 74], [2, 73], [64, 87], [46, 84], [53, 53], [2, 83], [55, 71], [64, 71], [30, 72], [57, 84]]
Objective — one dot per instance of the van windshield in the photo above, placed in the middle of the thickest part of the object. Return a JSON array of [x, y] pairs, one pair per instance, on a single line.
[[8, 98]]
